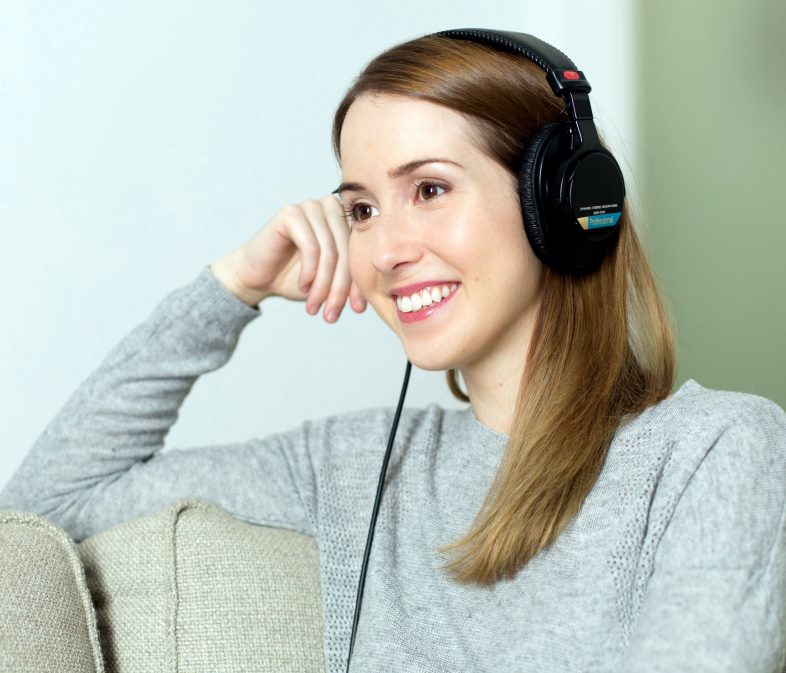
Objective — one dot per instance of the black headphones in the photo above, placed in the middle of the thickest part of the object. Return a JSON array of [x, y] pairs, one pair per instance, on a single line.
[[571, 188], [571, 192]]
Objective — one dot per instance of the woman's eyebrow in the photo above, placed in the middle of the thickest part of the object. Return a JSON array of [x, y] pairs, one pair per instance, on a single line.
[[395, 173]]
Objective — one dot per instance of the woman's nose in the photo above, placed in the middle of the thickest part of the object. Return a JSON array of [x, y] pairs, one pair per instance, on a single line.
[[394, 243]]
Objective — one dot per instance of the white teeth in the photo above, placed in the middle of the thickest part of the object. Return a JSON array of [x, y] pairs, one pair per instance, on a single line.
[[425, 297]]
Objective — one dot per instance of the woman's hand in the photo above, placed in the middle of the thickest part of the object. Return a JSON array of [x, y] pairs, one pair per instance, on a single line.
[[301, 253]]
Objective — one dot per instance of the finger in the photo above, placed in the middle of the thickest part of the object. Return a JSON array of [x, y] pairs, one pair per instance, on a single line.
[[328, 255], [339, 290], [298, 229], [356, 299]]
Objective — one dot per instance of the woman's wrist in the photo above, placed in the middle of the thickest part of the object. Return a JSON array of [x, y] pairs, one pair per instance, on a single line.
[[224, 270]]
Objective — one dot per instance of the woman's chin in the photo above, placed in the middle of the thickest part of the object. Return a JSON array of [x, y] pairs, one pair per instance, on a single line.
[[432, 362]]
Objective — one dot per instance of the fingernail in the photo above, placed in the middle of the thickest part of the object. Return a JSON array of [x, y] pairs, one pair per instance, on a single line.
[[332, 314], [312, 308]]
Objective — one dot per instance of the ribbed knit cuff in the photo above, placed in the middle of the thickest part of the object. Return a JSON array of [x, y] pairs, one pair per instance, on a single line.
[[211, 300]]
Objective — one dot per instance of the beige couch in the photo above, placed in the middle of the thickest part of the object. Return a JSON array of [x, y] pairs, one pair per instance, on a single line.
[[187, 589]]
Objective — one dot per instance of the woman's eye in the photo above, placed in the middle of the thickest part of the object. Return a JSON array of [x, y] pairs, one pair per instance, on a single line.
[[361, 211], [428, 190]]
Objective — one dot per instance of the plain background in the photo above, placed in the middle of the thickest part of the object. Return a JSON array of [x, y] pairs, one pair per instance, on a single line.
[[141, 141], [711, 93]]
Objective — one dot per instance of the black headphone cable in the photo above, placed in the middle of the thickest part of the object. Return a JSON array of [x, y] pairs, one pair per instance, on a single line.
[[362, 582]]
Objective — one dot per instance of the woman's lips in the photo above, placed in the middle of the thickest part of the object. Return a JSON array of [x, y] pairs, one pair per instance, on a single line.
[[423, 313], [406, 290]]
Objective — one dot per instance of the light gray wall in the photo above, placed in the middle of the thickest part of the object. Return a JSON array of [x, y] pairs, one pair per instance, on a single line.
[[141, 141], [713, 94]]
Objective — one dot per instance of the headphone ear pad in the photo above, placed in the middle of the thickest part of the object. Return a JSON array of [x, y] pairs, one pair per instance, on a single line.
[[534, 222]]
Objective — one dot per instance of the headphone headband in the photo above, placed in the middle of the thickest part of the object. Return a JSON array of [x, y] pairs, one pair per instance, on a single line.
[[561, 72]]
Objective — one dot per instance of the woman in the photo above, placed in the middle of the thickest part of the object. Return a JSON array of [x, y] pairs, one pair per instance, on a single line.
[[573, 517]]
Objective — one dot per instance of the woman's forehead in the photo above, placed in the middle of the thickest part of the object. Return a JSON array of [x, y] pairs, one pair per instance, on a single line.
[[384, 131]]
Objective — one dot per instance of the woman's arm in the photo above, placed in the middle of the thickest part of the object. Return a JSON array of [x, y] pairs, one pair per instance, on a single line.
[[97, 462], [716, 600]]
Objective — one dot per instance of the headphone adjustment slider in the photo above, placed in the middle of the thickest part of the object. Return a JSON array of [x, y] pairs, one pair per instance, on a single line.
[[567, 81]]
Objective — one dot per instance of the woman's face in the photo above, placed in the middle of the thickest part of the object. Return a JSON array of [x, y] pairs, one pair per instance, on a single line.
[[454, 222]]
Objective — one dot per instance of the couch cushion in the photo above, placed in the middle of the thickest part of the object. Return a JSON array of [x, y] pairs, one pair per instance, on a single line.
[[47, 621], [192, 589]]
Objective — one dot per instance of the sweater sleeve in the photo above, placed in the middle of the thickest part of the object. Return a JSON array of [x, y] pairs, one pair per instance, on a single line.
[[716, 600], [98, 463]]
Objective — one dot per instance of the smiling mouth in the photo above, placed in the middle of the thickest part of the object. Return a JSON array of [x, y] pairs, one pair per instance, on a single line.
[[425, 303], [418, 301]]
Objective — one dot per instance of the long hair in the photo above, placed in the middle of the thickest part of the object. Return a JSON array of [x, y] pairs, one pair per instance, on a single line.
[[602, 349]]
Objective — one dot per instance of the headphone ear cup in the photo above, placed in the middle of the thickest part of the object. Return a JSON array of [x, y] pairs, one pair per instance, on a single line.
[[535, 224]]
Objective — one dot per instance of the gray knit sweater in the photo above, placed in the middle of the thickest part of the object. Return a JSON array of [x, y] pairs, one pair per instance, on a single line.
[[675, 562]]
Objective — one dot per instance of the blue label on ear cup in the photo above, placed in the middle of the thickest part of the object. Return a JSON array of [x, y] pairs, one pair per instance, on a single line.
[[605, 220]]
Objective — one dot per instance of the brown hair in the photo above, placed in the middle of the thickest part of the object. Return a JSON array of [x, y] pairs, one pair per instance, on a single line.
[[602, 349]]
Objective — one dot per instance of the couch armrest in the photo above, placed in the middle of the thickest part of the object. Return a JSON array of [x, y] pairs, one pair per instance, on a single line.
[[47, 622]]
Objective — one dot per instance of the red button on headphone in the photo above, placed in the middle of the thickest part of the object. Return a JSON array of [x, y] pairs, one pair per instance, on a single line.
[[570, 74]]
